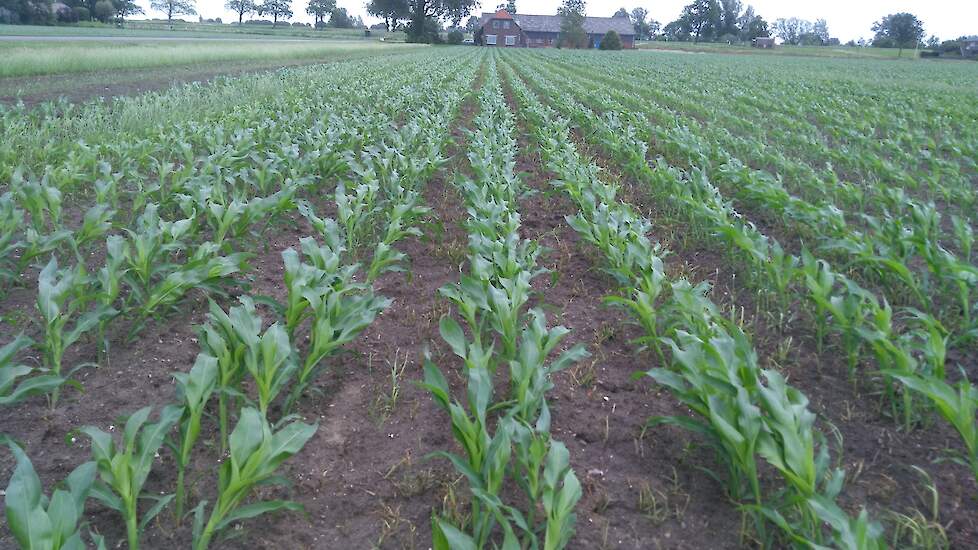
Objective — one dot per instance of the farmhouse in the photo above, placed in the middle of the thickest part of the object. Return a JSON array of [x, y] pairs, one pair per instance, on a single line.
[[969, 46], [764, 42], [542, 31]]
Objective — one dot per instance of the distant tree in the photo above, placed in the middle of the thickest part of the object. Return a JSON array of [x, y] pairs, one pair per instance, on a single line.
[[622, 12], [391, 11], [645, 28], [339, 18], [730, 14], [933, 43], [456, 37], [792, 30], [173, 7], [901, 30], [472, 24], [572, 34], [125, 8], [510, 6], [426, 16], [821, 29], [611, 41], [702, 20], [676, 31], [751, 25], [82, 13], [278, 9], [240, 7], [319, 9], [104, 10]]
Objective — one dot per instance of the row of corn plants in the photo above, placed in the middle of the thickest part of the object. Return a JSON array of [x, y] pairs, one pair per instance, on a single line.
[[908, 347], [747, 413], [504, 439]]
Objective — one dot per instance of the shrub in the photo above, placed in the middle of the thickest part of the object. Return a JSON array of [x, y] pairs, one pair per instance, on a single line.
[[455, 37], [611, 41]]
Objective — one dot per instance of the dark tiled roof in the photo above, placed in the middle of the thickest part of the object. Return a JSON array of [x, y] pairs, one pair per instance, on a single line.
[[551, 23]]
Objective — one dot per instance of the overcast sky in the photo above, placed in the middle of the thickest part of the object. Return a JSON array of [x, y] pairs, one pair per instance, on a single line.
[[848, 19]]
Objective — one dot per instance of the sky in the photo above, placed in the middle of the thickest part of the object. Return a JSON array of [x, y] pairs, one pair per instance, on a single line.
[[847, 19]]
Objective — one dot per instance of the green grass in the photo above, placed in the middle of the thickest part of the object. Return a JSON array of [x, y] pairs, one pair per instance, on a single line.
[[809, 51], [36, 58], [159, 29]]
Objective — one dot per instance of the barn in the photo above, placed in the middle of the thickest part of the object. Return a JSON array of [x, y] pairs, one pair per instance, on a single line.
[[542, 31]]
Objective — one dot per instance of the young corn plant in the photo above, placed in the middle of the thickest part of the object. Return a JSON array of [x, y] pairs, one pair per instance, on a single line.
[[219, 339], [957, 405], [256, 452], [487, 457], [338, 312], [39, 522], [61, 295], [123, 469], [194, 390], [38, 381]]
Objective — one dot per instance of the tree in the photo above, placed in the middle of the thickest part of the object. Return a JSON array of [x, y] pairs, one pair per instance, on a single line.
[[340, 19], [173, 7], [751, 25], [278, 9], [319, 9], [240, 7], [730, 14], [902, 30], [611, 41], [792, 30], [472, 24], [821, 30], [510, 7], [701, 19], [572, 33], [104, 10], [391, 11], [622, 12], [426, 15], [125, 8]]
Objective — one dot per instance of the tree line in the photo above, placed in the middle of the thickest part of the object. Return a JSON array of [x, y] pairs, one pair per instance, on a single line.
[[33, 12]]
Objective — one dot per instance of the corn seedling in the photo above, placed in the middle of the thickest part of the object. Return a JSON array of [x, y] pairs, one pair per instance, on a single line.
[[255, 454], [123, 469], [194, 390], [39, 382], [39, 522], [61, 295]]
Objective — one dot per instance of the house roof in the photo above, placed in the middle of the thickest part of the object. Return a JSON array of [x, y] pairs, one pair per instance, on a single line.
[[551, 23]]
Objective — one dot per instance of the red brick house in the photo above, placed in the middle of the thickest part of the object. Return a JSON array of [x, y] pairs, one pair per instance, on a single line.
[[542, 31]]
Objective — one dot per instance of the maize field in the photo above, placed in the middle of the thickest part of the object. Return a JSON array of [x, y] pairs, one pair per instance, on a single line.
[[467, 298]]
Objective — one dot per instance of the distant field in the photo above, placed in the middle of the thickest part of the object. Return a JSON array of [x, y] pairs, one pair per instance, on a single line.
[[192, 30], [814, 51], [42, 57]]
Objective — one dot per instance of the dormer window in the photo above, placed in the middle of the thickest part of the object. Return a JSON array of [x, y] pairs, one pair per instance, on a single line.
[[495, 23]]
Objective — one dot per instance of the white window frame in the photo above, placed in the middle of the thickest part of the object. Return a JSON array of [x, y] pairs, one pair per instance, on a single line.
[[490, 40], [510, 40]]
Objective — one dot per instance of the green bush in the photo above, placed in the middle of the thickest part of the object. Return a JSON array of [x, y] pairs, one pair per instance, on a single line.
[[455, 37], [611, 41]]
